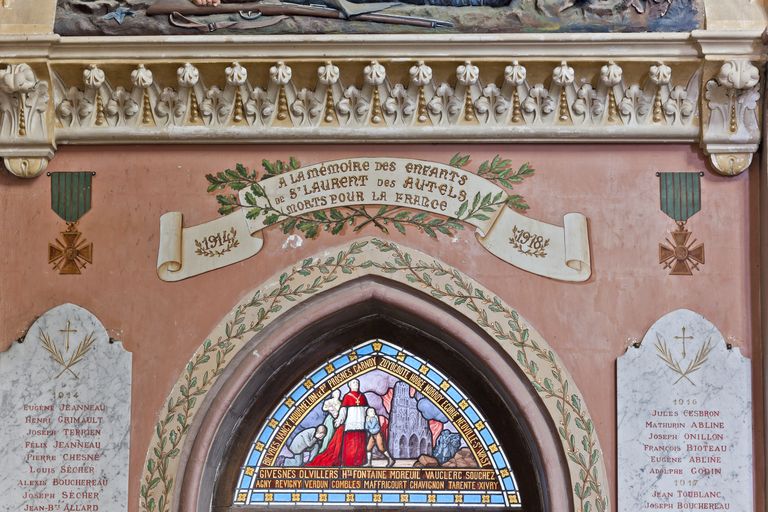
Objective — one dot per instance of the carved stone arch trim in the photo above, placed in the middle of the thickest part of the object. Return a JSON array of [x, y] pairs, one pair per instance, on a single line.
[[329, 318], [203, 401]]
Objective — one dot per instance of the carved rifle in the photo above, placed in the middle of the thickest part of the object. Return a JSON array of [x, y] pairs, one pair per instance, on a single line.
[[176, 9]]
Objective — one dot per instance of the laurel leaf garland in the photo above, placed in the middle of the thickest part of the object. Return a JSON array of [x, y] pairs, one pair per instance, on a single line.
[[336, 219], [575, 427]]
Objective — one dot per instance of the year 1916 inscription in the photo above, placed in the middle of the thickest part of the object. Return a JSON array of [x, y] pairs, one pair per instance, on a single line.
[[684, 418]]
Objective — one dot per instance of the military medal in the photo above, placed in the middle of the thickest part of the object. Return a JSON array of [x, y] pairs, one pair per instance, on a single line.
[[680, 200], [70, 199]]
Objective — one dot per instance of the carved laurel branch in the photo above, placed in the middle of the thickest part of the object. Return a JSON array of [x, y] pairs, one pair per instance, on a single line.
[[665, 354], [278, 100], [80, 352], [313, 275]]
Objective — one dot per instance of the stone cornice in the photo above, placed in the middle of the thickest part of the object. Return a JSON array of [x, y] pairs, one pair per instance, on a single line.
[[700, 87], [722, 44], [415, 46]]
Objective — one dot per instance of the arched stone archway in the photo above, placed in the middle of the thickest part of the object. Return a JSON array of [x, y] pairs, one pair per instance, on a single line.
[[206, 403]]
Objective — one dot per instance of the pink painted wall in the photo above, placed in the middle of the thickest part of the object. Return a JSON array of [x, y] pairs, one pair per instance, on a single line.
[[587, 323]]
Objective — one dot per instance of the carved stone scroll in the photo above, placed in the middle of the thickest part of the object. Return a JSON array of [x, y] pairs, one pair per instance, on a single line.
[[24, 132], [732, 127]]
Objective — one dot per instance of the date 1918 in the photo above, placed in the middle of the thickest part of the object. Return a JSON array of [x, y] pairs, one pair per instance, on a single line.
[[529, 244]]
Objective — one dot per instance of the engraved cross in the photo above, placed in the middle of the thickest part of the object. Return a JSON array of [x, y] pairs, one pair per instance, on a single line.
[[683, 338], [68, 330]]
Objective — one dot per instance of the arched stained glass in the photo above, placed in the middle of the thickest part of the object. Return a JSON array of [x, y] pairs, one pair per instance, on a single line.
[[376, 426]]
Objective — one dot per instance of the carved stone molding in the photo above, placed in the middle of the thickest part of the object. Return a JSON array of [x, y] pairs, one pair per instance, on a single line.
[[520, 88], [261, 103], [732, 125], [258, 100], [28, 167]]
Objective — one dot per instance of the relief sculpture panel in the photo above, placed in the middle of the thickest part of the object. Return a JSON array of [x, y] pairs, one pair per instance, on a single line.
[[144, 17]]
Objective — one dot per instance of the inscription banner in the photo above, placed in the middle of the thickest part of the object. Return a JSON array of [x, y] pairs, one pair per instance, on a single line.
[[558, 252]]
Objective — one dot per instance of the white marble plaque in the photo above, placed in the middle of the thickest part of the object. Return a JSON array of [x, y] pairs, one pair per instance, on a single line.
[[684, 415], [65, 400]]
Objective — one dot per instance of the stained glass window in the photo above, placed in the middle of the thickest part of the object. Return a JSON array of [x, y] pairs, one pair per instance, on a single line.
[[376, 426]]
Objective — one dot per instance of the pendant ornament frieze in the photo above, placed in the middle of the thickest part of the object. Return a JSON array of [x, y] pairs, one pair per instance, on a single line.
[[525, 102], [46, 104]]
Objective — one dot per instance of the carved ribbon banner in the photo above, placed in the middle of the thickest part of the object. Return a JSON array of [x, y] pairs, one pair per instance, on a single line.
[[558, 252]]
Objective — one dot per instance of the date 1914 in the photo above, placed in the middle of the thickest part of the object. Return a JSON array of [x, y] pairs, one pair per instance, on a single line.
[[217, 245]]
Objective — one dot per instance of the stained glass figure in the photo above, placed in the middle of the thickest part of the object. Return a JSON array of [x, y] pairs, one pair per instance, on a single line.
[[376, 426]]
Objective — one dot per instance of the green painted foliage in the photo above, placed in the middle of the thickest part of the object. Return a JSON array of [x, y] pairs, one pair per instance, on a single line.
[[386, 218]]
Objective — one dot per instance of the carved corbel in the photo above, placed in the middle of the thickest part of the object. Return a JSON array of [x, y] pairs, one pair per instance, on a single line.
[[731, 126], [26, 141]]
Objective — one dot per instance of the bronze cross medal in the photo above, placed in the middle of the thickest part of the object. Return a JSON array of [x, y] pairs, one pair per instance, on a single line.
[[71, 255], [70, 199], [681, 255], [680, 199]]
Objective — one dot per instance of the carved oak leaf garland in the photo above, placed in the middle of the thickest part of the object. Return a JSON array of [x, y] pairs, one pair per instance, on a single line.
[[334, 220], [311, 276]]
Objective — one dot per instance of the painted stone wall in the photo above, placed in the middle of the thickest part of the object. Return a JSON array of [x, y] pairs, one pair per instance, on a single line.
[[587, 323]]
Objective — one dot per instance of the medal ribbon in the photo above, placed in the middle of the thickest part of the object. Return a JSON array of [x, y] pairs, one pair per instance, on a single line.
[[680, 194], [71, 194]]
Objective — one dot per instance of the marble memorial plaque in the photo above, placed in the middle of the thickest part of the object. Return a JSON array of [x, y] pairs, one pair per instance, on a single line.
[[65, 400], [684, 419]]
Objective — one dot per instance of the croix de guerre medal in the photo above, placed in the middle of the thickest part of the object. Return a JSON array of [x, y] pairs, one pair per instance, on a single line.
[[70, 199], [680, 200]]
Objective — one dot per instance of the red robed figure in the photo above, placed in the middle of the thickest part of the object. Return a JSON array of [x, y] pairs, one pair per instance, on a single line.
[[347, 446]]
